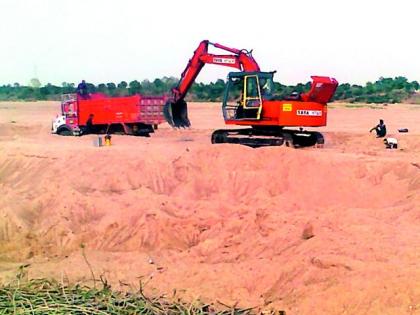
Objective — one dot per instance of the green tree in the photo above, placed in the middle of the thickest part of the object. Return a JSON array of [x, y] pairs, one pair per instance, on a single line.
[[147, 87], [91, 87], [134, 87], [102, 88], [122, 85]]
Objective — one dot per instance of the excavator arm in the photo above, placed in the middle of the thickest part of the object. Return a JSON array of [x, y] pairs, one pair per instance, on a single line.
[[175, 110]]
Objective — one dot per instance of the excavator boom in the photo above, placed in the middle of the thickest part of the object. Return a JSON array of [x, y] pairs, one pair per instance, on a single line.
[[175, 111], [239, 59]]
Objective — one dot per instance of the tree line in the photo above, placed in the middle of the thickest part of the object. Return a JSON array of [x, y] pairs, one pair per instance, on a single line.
[[384, 90]]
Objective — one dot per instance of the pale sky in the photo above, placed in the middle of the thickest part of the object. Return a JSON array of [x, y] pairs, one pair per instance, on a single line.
[[108, 41]]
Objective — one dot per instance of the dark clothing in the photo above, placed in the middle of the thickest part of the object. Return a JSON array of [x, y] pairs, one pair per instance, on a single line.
[[89, 125], [82, 90], [380, 130]]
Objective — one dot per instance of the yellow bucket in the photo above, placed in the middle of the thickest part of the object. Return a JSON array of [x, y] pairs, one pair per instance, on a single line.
[[107, 140]]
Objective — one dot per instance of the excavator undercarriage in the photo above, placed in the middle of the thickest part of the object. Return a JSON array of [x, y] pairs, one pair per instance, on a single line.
[[268, 137]]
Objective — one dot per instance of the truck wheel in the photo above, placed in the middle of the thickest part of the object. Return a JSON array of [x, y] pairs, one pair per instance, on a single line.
[[64, 131]]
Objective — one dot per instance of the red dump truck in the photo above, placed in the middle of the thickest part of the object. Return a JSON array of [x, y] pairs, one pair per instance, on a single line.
[[99, 113]]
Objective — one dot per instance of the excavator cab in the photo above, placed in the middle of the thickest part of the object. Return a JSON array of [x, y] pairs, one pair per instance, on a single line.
[[244, 94]]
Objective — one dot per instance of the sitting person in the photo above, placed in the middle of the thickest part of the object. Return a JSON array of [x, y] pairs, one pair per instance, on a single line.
[[82, 90], [391, 143], [380, 129]]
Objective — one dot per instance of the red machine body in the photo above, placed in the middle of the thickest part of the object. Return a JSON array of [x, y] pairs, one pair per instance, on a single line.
[[308, 110], [100, 113]]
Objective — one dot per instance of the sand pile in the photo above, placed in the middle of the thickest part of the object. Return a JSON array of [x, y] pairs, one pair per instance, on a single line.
[[233, 213], [336, 230]]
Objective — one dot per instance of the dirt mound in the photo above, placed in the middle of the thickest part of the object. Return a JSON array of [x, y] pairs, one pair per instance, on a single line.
[[333, 229], [367, 144], [230, 211], [9, 131]]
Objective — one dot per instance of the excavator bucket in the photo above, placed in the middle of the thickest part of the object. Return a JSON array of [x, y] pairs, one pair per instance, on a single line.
[[176, 114]]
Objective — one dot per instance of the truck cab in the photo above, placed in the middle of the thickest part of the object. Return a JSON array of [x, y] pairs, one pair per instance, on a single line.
[[66, 124]]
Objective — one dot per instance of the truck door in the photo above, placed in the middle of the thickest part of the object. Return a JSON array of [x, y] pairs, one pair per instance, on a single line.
[[252, 97]]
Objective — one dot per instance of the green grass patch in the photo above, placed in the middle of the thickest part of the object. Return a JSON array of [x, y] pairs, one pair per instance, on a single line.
[[42, 296]]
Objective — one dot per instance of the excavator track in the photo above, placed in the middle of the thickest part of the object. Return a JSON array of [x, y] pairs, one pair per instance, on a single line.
[[245, 137], [260, 138]]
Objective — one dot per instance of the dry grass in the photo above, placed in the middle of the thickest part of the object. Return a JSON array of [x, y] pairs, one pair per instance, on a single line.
[[42, 296]]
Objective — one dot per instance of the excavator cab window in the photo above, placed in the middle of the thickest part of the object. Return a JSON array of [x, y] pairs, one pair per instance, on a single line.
[[234, 98], [236, 90], [244, 94], [252, 97], [266, 87]]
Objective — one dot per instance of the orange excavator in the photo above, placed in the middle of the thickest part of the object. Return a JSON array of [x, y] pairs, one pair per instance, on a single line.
[[249, 101]]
